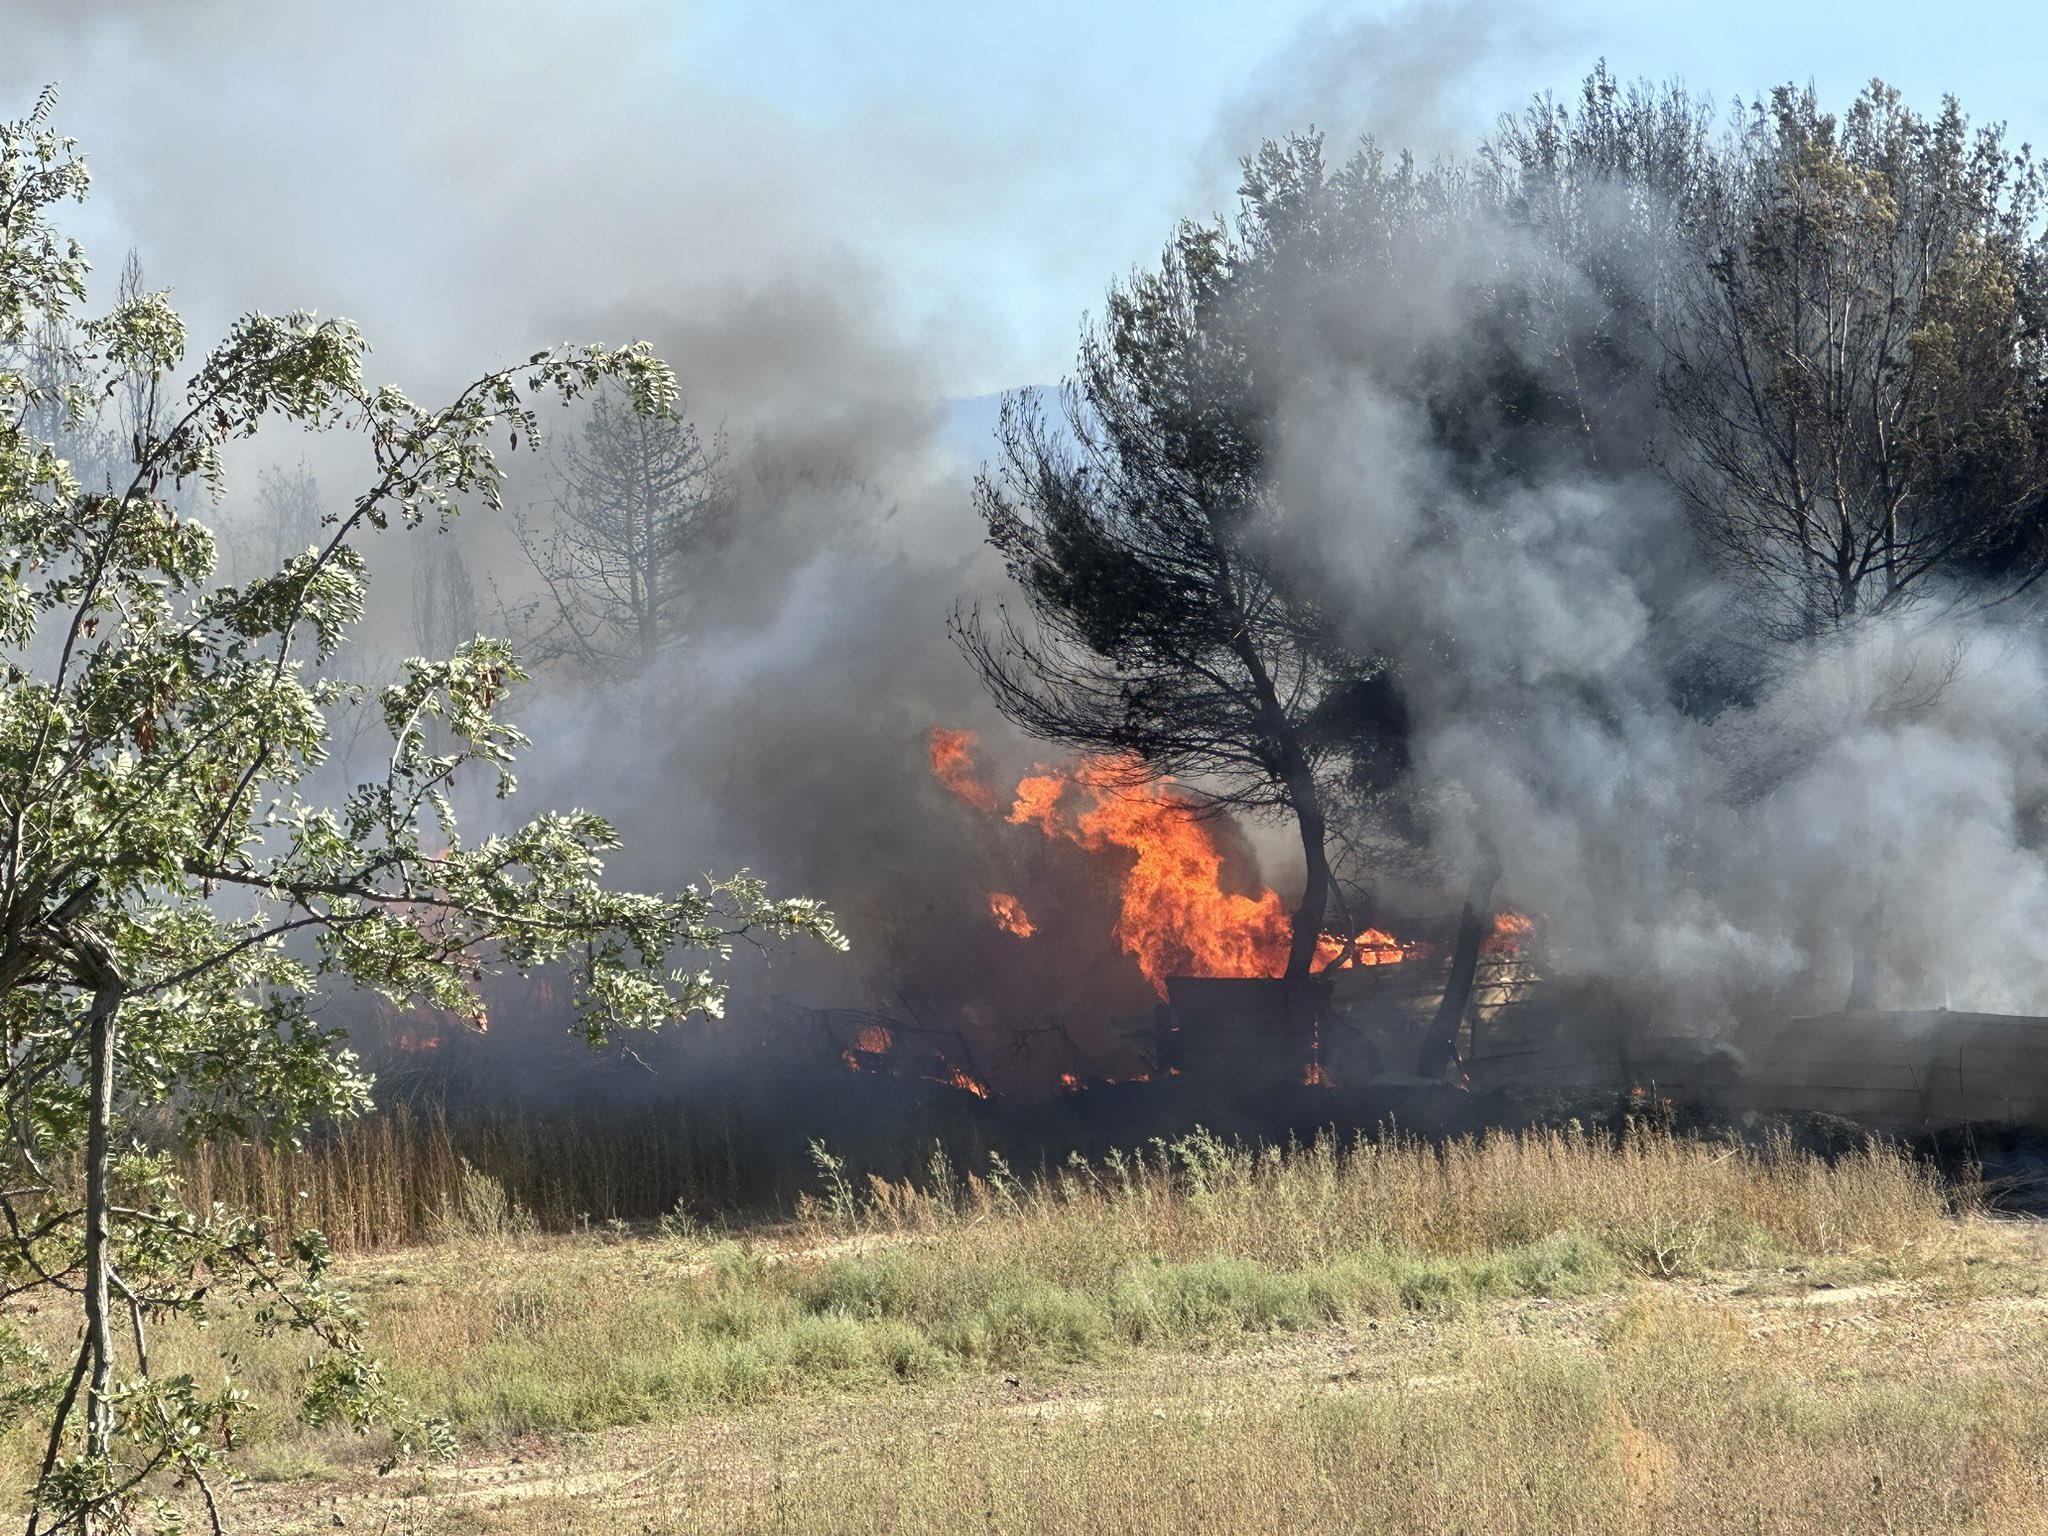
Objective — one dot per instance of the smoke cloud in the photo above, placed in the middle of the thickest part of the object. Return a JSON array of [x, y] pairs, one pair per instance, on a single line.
[[527, 172], [1423, 76], [1547, 626], [472, 181]]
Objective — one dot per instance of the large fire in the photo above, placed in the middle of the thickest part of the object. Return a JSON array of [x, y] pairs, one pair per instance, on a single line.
[[1176, 917]]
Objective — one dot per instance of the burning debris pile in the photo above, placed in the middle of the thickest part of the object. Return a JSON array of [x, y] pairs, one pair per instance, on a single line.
[[1214, 957], [884, 1045]]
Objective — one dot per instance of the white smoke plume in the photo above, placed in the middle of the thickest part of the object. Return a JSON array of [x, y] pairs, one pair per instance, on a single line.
[[1714, 863]]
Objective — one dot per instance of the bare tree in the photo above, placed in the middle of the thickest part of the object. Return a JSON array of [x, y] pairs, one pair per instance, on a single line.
[[289, 502], [635, 501], [444, 612]]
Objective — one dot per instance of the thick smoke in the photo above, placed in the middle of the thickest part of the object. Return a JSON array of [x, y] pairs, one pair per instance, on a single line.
[[534, 175], [475, 181], [1548, 626], [1418, 75], [529, 174]]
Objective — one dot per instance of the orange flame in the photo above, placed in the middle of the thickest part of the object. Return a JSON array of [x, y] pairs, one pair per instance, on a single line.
[[1511, 931], [961, 1078], [1038, 800], [1177, 919], [874, 1040], [1371, 947], [952, 755], [1009, 914]]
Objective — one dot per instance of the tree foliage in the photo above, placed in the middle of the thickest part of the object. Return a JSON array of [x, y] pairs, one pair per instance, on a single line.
[[1858, 384], [1826, 336], [168, 897]]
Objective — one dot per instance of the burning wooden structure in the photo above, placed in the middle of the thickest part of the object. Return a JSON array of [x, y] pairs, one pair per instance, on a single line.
[[1894, 1071], [1351, 1024]]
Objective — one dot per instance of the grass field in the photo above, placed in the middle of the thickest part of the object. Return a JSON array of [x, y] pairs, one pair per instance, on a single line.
[[1544, 1333]]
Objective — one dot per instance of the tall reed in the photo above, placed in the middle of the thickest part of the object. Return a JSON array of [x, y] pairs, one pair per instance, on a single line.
[[403, 1177]]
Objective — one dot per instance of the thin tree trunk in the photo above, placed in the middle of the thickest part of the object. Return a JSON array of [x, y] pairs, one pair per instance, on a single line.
[[1475, 922], [96, 968], [99, 1412], [1297, 773], [1307, 931], [96, 1350]]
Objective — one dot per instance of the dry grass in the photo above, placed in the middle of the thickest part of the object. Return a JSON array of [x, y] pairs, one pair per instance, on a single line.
[[1661, 1203], [1546, 1332], [1666, 1408], [398, 1179], [1674, 1418]]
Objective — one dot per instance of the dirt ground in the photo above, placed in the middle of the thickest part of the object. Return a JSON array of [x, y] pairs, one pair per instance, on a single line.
[[746, 1469]]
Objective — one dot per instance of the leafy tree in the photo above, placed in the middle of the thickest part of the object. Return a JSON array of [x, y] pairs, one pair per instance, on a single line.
[[168, 897], [1595, 203], [1858, 378], [1170, 621], [1514, 369], [1828, 335], [636, 501], [1856, 393]]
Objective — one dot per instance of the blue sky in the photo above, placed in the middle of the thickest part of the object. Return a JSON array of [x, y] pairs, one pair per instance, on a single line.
[[1140, 108], [965, 177]]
